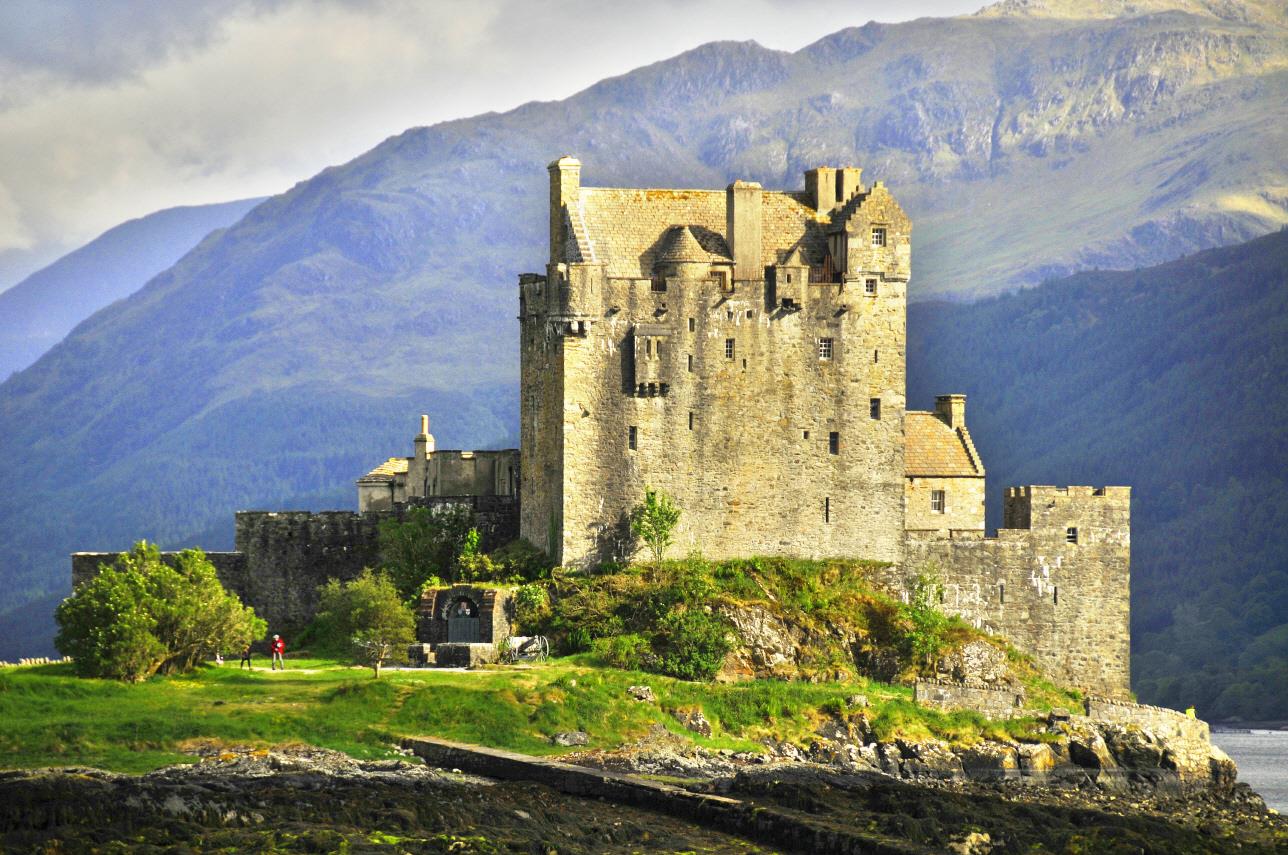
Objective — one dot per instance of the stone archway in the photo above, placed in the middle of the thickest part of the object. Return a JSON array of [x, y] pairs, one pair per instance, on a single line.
[[463, 623]]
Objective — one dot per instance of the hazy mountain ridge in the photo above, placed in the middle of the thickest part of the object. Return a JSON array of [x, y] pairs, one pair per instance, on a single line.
[[38, 311], [385, 287]]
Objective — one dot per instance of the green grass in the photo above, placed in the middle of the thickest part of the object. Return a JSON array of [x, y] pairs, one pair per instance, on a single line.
[[50, 717]]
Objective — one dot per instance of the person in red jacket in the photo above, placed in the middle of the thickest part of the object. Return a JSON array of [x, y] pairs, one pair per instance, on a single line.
[[278, 647]]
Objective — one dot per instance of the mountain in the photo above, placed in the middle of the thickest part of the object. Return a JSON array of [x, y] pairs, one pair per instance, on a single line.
[[1169, 379], [283, 356], [37, 312]]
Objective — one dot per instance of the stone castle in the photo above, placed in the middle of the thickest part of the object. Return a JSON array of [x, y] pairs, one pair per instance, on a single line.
[[743, 350]]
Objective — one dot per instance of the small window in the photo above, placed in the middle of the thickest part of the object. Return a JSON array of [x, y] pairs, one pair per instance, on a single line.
[[1001, 593], [728, 348], [632, 437], [805, 434], [1071, 535], [827, 509], [648, 347], [789, 279], [937, 501], [870, 287], [728, 314], [878, 236], [825, 349], [751, 313], [876, 357], [690, 421], [874, 408], [690, 361], [658, 285], [744, 365], [693, 324], [1055, 595], [834, 443]]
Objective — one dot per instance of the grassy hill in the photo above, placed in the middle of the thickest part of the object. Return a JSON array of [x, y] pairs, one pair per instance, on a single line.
[[278, 360], [39, 311], [1169, 379]]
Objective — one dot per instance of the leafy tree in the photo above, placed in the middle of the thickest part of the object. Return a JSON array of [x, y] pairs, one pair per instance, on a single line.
[[370, 614], [928, 625], [653, 521], [140, 616], [423, 545]]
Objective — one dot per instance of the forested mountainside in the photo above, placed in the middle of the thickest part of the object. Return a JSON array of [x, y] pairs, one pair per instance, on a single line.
[[283, 356], [37, 312], [1170, 379]]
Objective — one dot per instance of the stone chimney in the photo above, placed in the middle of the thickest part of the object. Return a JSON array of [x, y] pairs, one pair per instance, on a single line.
[[820, 185], [952, 409], [565, 186], [424, 441], [742, 229], [847, 183]]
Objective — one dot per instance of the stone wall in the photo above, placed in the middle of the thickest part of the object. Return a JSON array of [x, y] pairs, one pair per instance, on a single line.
[[495, 613], [1159, 720], [1064, 601], [994, 703], [963, 504], [283, 557]]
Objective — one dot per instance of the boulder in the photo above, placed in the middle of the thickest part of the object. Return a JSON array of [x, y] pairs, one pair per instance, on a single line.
[[641, 693], [571, 738], [693, 720]]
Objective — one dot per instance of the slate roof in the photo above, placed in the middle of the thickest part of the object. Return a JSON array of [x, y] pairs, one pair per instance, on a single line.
[[627, 229], [387, 470], [933, 449]]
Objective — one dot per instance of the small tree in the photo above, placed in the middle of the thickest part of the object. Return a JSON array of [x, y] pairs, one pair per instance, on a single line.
[[370, 614], [425, 544], [140, 616], [653, 521], [927, 636]]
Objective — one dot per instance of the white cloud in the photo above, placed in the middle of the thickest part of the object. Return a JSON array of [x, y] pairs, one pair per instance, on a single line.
[[245, 97]]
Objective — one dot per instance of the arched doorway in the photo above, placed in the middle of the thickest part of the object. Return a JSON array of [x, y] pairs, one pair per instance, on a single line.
[[463, 621]]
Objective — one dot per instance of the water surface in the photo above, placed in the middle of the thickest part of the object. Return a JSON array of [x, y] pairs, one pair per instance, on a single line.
[[1262, 757]]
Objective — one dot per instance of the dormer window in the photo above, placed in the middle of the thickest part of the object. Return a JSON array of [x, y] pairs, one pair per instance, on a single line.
[[878, 236]]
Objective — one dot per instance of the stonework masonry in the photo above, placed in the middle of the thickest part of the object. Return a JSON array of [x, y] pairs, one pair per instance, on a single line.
[[282, 557]]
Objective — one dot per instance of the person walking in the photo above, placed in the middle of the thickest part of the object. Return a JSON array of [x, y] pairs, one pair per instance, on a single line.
[[278, 647], [245, 659]]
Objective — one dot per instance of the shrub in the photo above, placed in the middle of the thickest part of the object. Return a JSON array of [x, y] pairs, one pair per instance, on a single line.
[[369, 613], [424, 544], [691, 644], [630, 652], [927, 634], [140, 616]]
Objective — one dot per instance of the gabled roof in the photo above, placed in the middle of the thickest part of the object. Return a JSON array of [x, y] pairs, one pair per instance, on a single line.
[[387, 470], [626, 229], [932, 449]]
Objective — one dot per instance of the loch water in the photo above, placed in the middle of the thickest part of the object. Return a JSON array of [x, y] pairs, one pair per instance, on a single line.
[[1262, 758]]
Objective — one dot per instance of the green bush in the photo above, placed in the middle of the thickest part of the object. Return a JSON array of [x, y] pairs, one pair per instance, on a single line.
[[691, 644], [425, 543], [631, 652], [140, 616]]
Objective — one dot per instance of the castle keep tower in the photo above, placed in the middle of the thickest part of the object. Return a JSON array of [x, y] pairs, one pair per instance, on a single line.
[[742, 350]]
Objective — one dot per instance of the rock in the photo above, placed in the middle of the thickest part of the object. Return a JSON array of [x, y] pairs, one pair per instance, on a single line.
[[767, 646], [575, 737], [1089, 751], [641, 693], [976, 662], [989, 761], [856, 701], [975, 843], [1036, 759], [1059, 714], [929, 760], [693, 720]]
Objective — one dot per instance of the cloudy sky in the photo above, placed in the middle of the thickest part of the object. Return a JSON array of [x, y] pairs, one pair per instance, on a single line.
[[111, 109]]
